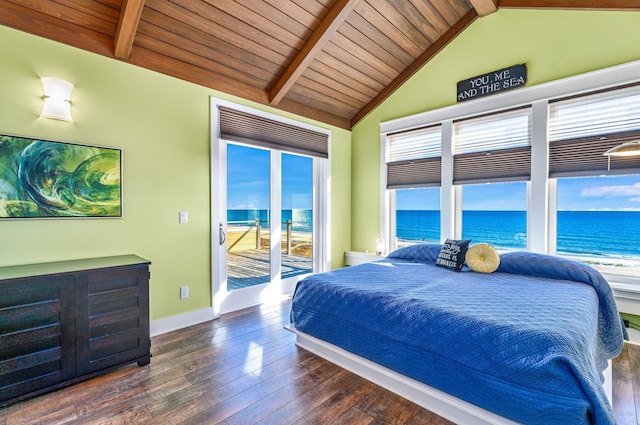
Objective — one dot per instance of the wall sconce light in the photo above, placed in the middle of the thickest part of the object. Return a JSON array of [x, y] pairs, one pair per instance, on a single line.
[[57, 99]]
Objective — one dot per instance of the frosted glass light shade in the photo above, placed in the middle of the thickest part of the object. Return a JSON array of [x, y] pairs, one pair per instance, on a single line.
[[57, 99]]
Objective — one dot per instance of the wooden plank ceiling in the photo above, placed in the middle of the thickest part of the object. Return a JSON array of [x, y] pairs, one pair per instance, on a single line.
[[329, 60]]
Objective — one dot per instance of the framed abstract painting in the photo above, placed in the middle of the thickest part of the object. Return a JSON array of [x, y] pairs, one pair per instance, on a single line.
[[47, 179]]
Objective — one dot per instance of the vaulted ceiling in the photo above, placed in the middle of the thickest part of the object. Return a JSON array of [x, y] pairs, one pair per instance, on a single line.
[[330, 60]]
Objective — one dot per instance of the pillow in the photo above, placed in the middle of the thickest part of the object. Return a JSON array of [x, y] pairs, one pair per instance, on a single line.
[[483, 258], [418, 253], [452, 254]]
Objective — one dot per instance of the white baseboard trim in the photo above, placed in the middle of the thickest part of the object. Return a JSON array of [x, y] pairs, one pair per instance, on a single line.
[[179, 321]]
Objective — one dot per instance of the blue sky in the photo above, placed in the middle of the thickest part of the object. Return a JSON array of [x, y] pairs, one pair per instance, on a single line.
[[600, 193], [593, 193], [248, 179]]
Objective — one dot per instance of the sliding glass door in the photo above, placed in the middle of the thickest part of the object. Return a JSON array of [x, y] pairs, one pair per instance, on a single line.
[[267, 228], [248, 235], [269, 205]]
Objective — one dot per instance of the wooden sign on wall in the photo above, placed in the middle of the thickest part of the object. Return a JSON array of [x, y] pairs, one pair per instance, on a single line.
[[493, 82]]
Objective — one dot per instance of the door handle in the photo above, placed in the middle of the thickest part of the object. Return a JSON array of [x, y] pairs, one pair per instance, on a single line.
[[222, 235]]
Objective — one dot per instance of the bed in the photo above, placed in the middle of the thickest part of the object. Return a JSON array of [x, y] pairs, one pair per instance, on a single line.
[[526, 344]]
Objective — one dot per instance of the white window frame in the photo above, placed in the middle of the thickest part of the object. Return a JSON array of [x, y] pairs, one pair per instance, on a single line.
[[541, 190]]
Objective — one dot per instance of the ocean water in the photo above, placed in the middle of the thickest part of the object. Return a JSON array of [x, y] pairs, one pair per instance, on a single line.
[[615, 233], [301, 220]]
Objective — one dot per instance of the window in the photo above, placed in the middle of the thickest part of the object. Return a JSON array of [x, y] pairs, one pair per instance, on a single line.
[[495, 214], [417, 215], [494, 148], [540, 149], [413, 161], [599, 216], [597, 197]]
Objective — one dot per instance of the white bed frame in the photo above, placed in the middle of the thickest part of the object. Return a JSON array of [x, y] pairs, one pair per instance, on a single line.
[[432, 399]]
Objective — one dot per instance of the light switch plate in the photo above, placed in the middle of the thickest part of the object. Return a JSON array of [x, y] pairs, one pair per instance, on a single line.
[[184, 217]]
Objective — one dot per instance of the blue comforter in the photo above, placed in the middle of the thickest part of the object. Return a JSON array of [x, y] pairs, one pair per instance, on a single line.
[[528, 342]]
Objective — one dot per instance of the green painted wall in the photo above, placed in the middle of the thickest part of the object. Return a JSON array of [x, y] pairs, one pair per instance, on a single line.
[[162, 125], [554, 44]]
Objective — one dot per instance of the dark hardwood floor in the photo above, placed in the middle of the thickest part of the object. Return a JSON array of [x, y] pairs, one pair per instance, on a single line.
[[245, 369]]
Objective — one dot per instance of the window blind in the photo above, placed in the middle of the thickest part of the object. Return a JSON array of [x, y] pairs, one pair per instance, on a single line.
[[242, 127], [493, 148], [582, 128], [413, 158]]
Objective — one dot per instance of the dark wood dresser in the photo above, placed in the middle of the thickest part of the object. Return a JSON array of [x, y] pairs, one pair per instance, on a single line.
[[67, 321]]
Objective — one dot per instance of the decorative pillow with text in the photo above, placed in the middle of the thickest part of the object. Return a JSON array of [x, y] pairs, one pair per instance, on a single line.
[[453, 253]]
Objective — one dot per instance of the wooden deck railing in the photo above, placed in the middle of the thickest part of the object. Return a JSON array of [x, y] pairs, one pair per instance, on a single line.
[[251, 237]]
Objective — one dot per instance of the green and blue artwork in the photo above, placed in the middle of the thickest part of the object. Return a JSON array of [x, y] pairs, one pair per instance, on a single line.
[[41, 178]]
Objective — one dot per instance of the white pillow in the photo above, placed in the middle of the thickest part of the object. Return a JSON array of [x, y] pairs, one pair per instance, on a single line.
[[483, 258]]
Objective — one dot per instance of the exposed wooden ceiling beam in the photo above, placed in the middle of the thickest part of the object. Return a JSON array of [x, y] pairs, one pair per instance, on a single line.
[[425, 57], [329, 25], [572, 4], [484, 7], [130, 13]]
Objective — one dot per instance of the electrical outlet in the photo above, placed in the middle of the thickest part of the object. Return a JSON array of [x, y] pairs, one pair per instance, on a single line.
[[184, 292]]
